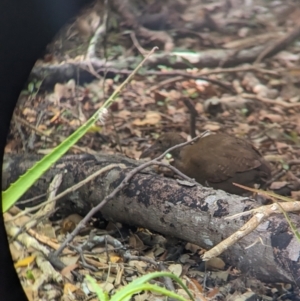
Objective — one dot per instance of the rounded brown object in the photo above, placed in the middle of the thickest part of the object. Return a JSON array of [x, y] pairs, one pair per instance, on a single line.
[[70, 222], [216, 160]]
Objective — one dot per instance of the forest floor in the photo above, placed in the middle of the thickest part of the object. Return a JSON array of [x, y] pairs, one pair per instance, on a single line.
[[233, 65]]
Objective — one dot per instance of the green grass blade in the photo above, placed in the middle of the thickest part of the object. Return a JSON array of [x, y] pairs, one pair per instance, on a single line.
[[128, 291], [17, 189], [147, 278], [98, 290]]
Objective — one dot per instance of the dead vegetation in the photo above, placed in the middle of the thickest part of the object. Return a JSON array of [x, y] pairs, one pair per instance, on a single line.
[[224, 66]]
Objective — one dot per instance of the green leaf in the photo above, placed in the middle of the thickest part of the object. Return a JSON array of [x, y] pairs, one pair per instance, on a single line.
[[128, 291], [103, 296], [17, 189], [29, 275], [38, 84], [146, 278], [31, 87]]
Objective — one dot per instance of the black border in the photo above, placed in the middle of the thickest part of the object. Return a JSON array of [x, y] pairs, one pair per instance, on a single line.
[[25, 29]]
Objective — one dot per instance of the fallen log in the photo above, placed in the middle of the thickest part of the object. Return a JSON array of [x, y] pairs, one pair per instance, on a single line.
[[194, 214]]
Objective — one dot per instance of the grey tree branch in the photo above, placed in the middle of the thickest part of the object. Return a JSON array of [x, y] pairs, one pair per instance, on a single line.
[[195, 214]]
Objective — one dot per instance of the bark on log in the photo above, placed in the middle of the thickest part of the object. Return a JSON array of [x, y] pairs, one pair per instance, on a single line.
[[161, 204]]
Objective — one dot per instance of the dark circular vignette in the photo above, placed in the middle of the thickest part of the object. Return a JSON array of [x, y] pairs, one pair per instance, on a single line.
[[26, 28]]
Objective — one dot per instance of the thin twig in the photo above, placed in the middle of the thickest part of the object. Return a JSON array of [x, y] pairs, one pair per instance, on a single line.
[[224, 85], [100, 32], [165, 82], [260, 214], [271, 101], [239, 69], [141, 50], [122, 185], [69, 190], [49, 138]]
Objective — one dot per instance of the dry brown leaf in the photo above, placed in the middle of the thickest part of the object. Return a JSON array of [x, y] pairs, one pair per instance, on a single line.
[[176, 269], [31, 293], [251, 41], [278, 185], [65, 90], [25, 261], [151, 118], [295, 195], [46, 229], [213, 293], [55, 117], [215, 263], [192, 247], [142, 297], [199, 107], [183, 293], [160, 251], [11, 146], [68, 269], [70, 260], [22, 220], [138, 264], [69, 287], [43, 127], [136, 243], [281, 146], [287, 56], [211, 127], [184, 258], [15, 251], [114, 258], [272, 117], [159, 97], [124, 114], [242, 128], [75, 123], [106, 286], [96, 263], [194, 284], [30, 115]]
